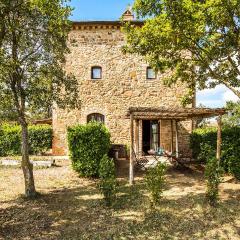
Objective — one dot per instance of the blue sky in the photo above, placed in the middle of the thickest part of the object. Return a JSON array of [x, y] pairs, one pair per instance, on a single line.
[[112, 10], [99, 9]]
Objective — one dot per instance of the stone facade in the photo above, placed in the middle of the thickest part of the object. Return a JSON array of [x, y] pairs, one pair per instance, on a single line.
[[123, 85]]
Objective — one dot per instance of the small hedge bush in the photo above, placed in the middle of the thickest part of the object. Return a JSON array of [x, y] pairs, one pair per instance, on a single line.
[[213, 175], [108, 181], [10, 140], [87, 146], [40, 139], [155, 181], [204, 144]]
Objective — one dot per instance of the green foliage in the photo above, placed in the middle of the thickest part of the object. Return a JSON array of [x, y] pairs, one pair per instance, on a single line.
[[31, 55], [155, 181], [87, 145], [10, 140], [198, 47], [33, 47], [233, 117], [213, 173], [203, 144], [40, 139], [108, 182]]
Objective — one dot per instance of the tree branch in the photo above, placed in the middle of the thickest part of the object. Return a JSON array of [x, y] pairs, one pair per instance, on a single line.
[[233, 65]]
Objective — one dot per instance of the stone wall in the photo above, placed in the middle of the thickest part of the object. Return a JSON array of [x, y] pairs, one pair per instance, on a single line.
[[123, 85]]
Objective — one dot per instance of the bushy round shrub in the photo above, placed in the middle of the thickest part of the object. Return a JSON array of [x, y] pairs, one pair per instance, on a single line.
[[87, 146], [108, 182]]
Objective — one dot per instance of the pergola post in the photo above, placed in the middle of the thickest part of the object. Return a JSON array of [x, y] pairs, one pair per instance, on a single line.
[[140, 132], [219, 137], [131, 163], [171, 136], [177, 146], [136, 137]]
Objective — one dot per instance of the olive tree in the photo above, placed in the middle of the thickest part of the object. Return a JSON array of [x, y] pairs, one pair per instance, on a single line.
[[33, 44]]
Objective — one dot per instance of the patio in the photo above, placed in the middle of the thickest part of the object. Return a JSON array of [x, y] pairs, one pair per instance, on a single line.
[[175, 115]]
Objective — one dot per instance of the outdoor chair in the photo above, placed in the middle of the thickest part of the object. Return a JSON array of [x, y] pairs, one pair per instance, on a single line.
[[172, 157], [144, 161]]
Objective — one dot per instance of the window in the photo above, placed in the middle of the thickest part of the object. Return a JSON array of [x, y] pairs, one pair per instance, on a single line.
[[96, 73], [151, 74], [95, 117]]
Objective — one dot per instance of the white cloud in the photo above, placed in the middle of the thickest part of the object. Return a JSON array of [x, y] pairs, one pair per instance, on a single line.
[[230, 96], [216, 97], [210, 91], [210, 103]]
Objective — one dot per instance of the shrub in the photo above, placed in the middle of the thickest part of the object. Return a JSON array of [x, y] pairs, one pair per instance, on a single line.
[[155, 181], [234, 166], [87, 146], [108, 182], [213, 173], [10, 140], [204, 140], [40, 139], [203, 144]]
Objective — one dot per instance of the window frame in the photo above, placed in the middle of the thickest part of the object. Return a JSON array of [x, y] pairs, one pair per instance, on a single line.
[[95, 116], [147, 75], [92, 70]]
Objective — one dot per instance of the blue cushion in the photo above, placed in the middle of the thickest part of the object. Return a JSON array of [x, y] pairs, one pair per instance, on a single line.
[[160, 151]]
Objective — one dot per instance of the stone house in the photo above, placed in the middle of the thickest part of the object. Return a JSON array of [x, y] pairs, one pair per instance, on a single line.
[[111, 83]]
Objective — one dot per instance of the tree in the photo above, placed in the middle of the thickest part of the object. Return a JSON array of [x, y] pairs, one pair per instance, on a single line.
[[198, 40], [233, 117], [33, 44]]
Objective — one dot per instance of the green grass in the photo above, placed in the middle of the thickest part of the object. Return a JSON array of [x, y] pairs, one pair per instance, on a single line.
[[72, 208]]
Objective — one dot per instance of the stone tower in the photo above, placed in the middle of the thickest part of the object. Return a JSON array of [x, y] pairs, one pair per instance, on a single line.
[[110, 82]]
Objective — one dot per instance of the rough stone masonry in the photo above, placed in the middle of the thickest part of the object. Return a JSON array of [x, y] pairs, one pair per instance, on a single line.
[[123, 84]]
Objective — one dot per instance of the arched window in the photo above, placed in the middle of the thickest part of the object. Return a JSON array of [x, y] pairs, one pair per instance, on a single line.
[[96, 72], [95, 117]]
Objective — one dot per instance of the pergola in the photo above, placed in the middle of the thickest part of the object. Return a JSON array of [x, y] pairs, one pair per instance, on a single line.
[[173, 114]]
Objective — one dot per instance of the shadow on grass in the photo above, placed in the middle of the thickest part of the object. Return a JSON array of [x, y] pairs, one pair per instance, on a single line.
[[79, 213]]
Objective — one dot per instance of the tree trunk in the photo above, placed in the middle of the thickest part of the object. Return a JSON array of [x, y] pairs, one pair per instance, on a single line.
[[27, 167], [234, 90]]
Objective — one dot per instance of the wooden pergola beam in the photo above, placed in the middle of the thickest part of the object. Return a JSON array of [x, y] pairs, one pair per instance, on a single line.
[[194, 111], [155, 117], [174, 113]]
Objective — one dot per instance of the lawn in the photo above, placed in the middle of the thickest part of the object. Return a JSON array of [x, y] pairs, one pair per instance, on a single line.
[[71, 208]]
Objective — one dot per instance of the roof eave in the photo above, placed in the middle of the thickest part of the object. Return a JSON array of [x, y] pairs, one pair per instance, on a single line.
[[116, 23]]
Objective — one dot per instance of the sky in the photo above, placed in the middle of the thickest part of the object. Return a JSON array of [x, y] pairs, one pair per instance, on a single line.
[[112, 10]]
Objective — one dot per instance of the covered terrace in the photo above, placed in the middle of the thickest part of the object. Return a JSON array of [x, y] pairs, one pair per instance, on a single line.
[[175, 115]]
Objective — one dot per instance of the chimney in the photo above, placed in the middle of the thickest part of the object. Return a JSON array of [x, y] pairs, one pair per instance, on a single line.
[[128, 15]]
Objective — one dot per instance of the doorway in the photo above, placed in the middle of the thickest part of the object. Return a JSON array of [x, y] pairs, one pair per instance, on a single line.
[[150, 135]]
